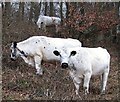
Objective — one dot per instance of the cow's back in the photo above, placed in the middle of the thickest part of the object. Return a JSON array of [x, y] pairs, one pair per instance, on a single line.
[[95, 58], [51, 44], [45, 46]]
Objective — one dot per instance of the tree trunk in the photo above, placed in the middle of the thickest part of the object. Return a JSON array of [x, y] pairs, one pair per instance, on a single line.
[[21, 11], [7, 8], [2, 7], [118, 26], [118, 9], [46, 8], [6, 14], [51, 8], [61, 12], [37, 11], [31, 12], [67, 9]]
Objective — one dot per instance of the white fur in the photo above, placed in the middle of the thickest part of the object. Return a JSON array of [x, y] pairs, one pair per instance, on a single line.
[[44, 21], [85, 63], [38, 48]]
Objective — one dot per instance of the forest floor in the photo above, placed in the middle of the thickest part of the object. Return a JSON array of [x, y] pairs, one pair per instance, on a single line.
[[19, 81]]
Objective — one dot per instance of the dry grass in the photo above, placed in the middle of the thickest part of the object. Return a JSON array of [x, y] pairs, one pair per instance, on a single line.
[[19, 81]]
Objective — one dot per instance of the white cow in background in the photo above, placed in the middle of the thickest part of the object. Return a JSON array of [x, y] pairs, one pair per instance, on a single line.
[[85, 62], [38, 48], [44, 21]]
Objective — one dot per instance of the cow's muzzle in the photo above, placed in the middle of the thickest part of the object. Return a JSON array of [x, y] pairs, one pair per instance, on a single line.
[[64, 65]]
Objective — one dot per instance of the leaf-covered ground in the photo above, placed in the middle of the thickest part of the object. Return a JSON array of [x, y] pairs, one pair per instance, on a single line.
[[19, 81]]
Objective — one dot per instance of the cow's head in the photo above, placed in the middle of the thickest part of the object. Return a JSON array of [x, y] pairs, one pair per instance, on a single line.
[[15, 51], [40, 22], [64, 57]]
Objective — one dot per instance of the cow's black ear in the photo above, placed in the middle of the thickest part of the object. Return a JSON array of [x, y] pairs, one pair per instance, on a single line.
[[56, 53], [73, 53], [14, 44]]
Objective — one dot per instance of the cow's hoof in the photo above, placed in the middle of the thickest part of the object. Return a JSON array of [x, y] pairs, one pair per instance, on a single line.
[[86, 90], [39, 73], [102, 92]]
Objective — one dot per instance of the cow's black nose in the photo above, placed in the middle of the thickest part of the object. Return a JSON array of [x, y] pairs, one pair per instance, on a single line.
[[12, 59], [64, 65]]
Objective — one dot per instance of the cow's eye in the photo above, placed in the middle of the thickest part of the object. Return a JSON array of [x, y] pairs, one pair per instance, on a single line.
[[56, 53], [73, 53]]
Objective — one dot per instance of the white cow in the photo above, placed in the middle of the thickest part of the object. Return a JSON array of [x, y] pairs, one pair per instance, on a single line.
[[85, 62], [38, 48], [44, 21]]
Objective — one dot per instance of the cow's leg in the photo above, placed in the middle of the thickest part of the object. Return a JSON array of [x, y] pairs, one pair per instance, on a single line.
[[44, 27], [87, 77], [76, 81], [104, 81], [31, 62], [56, 27], [38, 60]]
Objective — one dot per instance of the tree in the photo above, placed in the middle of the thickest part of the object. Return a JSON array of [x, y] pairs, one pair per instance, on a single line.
[[95, 19], [46, 8], [7, 8], [31, 11], [2, 5], [21, 10], [67, 9], [37, 10], [61, 11], [6, 13], [51, 8]]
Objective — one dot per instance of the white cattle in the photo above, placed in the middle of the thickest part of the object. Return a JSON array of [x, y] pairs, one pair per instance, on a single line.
[[85, 62], [44, 21], [38, 48]]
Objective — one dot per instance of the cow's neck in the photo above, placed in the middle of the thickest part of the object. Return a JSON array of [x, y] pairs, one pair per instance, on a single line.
[[22, 49]]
